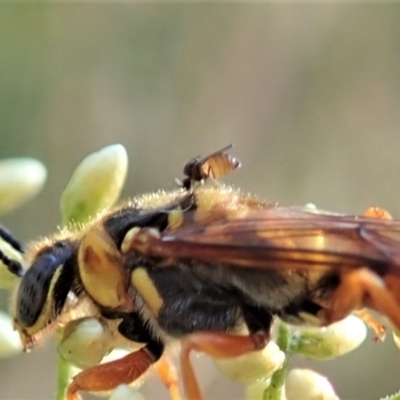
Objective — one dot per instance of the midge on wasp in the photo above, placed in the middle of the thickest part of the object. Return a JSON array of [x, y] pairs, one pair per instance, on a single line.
[[199, 264], [213, 166]]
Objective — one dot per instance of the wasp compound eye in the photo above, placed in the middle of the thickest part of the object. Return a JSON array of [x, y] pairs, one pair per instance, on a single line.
[[34, 287], [40, 288]]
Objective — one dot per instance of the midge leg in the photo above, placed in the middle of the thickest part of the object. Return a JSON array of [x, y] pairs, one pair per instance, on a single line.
[[215, 344], [362, 288], [106, 377]]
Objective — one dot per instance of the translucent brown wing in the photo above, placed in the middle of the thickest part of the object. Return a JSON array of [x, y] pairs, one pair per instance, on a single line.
[[282, 237]]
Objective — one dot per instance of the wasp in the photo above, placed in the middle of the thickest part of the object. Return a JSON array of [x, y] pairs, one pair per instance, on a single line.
[[197, 264]]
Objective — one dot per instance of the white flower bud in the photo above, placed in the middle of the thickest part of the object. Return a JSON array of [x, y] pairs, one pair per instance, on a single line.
[[20, 180], [124, 392], [10, 342], [252, 367], [311, 206], [95, 184], [85, 342], [307, 384], [395, 396], [396, 338], [333, 341]]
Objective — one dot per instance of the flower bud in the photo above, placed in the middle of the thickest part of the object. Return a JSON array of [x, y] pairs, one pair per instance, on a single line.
[[307, 384], [333, 341], [10, 342], [95, 184], [252, 367], [396, 338], [395, 396], [85, 342], [20, 180]]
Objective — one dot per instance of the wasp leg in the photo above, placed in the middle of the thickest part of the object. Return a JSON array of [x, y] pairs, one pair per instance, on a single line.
[[375, 325], [168, 375], [376, 212], [379, 329], [215, 344], [362, 288], [106, 377]]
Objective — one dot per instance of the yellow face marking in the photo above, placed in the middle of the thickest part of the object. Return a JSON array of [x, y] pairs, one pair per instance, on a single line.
[[137, 236], [102, 271], [126, 243], [175, 218], [144, 285]]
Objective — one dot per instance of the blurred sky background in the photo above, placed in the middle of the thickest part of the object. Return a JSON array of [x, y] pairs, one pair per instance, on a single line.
[[308, 93]]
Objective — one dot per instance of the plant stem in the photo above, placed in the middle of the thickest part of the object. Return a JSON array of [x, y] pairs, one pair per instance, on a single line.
[[275, 391], [63, 377]]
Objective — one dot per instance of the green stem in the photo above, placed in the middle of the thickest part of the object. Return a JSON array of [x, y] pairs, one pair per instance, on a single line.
[[275, 391], [284, 337], [63, 377]]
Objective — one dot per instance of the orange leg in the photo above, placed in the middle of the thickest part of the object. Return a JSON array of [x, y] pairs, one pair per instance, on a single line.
[[106, 377], [168, 375], [216, 345], [376, 212], [376, 326], [380, 330], [362, 288]]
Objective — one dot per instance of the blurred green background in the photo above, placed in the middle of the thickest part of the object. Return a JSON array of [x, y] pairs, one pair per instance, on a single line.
[[309, 94]]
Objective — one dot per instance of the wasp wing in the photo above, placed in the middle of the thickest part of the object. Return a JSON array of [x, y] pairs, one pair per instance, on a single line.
[[282, 237]]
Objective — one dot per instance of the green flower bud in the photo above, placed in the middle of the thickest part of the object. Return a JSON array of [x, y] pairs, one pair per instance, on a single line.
[[333, 341], [307, 384], [252, 367], [95, 184], [124, 392], [20, 180], [10, 342], [85, 342]]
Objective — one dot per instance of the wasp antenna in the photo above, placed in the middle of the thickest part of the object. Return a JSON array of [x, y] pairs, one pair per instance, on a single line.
[[13, 266], [10, 239]]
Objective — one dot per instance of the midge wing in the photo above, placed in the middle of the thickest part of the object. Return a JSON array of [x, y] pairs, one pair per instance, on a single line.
[[281, 237]]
